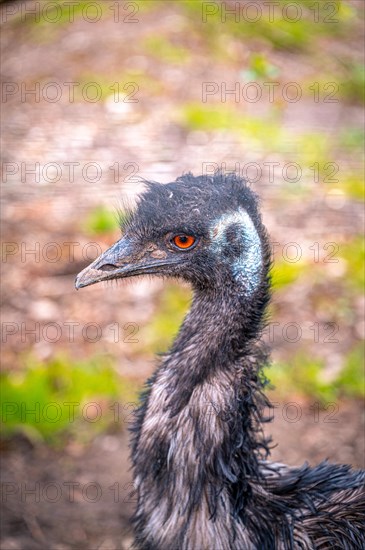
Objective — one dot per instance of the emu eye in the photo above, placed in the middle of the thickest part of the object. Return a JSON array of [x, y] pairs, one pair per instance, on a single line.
[[183, 241]]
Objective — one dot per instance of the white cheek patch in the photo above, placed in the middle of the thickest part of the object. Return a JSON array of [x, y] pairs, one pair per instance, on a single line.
[[246, 268]]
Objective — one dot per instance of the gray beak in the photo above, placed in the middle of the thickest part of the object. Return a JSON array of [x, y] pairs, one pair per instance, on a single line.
[[123, 259], [110, 264]]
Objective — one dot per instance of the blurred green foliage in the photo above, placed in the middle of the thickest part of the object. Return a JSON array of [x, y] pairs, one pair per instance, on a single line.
[[353, 83], [279, 29], [99, 221], [307, 376], [353, 252], [265, 129], [164, 325], [351, 379], [259, 67], [284, 273], [48, 398], [160, 47], [352, 139]]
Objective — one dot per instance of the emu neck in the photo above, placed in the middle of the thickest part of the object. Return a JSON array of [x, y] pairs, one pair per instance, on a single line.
[[218, 332], [196, 445]]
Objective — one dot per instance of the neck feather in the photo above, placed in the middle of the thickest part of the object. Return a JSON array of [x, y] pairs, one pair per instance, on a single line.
[[219, 335], [196, 444]]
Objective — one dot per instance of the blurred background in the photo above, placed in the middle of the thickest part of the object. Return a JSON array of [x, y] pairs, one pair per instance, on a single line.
[[96, 96]]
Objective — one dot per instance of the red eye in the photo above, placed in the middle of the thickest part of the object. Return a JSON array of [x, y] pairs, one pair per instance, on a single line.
[[183, 241]]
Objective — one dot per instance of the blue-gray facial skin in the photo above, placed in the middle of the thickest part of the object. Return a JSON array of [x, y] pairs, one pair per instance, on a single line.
[[247, 267]]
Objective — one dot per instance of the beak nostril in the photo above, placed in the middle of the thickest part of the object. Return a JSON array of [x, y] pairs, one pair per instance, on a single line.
[[107, 267]]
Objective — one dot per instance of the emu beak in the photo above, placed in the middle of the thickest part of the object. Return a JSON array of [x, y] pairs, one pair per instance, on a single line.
[[109, 265], [123, 259]]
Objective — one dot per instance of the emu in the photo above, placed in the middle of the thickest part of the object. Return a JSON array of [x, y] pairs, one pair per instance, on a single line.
[[199, 457]]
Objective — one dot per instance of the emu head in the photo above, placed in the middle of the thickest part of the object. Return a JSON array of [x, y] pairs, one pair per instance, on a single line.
[[206, 230]]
